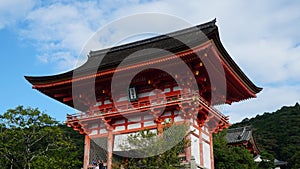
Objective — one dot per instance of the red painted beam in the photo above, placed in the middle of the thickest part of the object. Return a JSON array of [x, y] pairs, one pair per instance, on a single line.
[[67, 99]]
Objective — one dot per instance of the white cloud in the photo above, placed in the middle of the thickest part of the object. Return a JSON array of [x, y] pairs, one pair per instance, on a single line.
[[269, 61], [61, 60], [13, 10], [65, 27], [261, 36], [269, 100], [61, 29], [59, 26]]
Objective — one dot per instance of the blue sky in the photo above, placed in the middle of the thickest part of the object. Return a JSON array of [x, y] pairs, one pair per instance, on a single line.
[[18, 59], [46, 37]]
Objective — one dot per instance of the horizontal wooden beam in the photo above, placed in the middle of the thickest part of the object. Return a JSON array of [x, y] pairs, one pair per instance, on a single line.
[[58, 95], [66, 99]]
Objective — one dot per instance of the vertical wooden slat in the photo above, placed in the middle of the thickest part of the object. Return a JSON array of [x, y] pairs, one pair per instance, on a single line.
[[110, 143], [211, 151], [87, 144]]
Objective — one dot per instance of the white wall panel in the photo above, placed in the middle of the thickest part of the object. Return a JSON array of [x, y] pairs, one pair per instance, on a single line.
[[103, 131], [119, 128], [206, 137], [149, 123], [195, 148], [206, 155], [134, 126]]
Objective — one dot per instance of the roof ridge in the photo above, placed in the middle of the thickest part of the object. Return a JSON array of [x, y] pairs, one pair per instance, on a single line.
[[239, 128], [206, 25]]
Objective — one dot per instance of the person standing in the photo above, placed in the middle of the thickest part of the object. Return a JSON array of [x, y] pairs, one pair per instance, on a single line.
[[100, 164], [97, 165], [104, 165]]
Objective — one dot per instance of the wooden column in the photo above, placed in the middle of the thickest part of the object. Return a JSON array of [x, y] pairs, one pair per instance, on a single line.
[[160, 127], [211, 151], [110, 143], [86, 158]]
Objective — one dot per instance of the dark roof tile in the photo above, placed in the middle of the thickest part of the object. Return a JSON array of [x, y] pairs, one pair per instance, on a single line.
[[238, 135]]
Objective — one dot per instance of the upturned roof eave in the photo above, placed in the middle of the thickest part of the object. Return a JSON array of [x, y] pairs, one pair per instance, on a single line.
[[84, 69], [209, 29]]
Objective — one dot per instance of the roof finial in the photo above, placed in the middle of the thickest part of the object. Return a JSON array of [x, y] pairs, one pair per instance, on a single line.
[[214, 21]]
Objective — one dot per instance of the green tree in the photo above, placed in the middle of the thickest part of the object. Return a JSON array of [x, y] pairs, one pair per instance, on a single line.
[[278, 133], [226, 156], [267, 160], [31, 139], [151, 150], [295, 161]]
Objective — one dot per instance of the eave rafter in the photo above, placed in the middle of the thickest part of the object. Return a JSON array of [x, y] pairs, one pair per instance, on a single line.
[[75, 124], [205, 50]]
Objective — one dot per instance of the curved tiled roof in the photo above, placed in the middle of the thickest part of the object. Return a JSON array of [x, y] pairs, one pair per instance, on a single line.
[[102, 64], [105, 59], [239, 135]]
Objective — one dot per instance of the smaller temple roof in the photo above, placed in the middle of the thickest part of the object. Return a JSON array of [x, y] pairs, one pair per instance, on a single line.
[[280, 163], [277, 163], [239, 135], [242, 136]]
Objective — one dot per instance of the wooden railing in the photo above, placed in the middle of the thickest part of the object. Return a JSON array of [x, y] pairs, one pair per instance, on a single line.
[[170, 98]]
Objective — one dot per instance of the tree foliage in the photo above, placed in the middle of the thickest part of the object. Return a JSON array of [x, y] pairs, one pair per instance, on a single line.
[[31, 139], [296, 160], [226, 156], [151, 150], [267, 160], [278, 133]]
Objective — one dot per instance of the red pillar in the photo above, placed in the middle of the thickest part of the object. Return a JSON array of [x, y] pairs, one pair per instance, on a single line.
[[110, 143], [211, 151], [160, 128], [86, 160]]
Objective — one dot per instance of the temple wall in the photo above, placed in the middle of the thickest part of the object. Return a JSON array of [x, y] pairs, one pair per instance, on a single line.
[[120, 127], [206, 157], [195, 148]]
